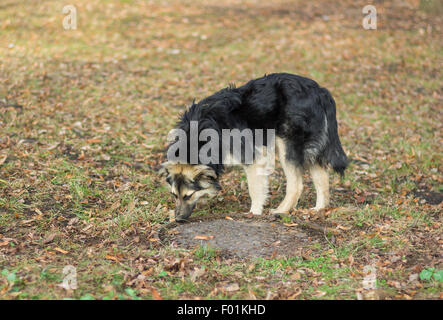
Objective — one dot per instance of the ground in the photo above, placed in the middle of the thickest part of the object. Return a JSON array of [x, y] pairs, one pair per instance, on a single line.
[[83, 124]]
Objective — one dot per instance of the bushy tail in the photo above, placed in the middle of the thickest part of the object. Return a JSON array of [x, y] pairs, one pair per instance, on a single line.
[[334, 153]]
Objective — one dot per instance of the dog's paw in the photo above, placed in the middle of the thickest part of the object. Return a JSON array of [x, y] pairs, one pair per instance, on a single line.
[[279, 211], [251, 214]]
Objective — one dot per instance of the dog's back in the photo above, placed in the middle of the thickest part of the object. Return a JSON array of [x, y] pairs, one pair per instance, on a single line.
[[302, 113]]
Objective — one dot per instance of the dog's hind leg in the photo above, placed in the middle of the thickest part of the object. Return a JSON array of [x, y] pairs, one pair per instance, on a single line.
[[321, 182], [294, 180], [258, 186]]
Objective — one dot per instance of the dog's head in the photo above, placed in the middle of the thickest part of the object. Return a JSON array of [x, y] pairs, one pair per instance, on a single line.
[[189, 183]]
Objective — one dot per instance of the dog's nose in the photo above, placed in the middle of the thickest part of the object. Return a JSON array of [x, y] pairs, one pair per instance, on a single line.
[[182, 213], [179, 216]]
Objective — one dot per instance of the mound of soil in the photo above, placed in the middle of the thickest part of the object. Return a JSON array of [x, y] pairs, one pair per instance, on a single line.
[[433, 198], [244, 238]]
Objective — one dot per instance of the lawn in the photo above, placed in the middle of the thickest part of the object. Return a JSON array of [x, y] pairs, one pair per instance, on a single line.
[[84, 116]]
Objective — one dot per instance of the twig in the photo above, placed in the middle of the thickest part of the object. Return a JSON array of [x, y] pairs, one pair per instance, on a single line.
[[307, 224]]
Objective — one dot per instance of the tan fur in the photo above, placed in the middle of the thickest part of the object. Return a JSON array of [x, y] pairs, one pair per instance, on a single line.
[[294, 180], [190, 173], [321, 182], [294, 183], [258, 186]]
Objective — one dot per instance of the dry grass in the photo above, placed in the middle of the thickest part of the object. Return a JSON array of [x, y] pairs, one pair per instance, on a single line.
[[84, 115]]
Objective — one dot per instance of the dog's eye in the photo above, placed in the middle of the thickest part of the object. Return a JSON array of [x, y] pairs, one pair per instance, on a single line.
[[188, 196], [169, 180], [175, 196]]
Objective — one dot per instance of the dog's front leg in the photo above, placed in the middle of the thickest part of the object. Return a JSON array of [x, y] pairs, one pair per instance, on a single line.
[[258, 187]]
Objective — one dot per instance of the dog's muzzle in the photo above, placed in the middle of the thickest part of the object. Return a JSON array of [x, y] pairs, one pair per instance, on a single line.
[[183, 212]]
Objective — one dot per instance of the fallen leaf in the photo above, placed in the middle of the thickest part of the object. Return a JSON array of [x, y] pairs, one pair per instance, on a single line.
[[232, 287], [290, 224], [155, 294], [295, 295], [148, 272], [109, 257], [197, 273], [49, 238], [319, 293], [413, 277], [251, 295], [250, 215], [171, 216], [93, 141], [61, 250], [351, 259], [3, 159], [296, 276], [203, 237]]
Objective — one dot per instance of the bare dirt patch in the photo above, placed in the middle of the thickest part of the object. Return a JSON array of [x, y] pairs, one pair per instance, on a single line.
[[430, 197], [243, 238]]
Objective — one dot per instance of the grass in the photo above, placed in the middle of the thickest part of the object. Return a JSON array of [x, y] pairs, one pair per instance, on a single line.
[[79, 158]]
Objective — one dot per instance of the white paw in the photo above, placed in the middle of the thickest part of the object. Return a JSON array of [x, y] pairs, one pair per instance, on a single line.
[[278, 210]]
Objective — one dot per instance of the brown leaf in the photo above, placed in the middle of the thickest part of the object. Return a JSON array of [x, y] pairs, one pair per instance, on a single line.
[[93, 141], [148, 272], [49, 238], [3, 159], [197, 273], [295, 295], [114, 258], [361, 199], [290, 224], [232, 287], [351, 259], [296, 276], [61, 250], [171, 214], [115, 205], [203, 237], [155, 294], [319, 293]]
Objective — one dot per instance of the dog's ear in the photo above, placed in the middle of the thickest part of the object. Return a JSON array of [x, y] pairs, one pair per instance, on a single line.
[[205, 172], [163, 172]]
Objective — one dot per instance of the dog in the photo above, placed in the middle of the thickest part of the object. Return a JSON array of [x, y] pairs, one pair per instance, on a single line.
[[302, 116]]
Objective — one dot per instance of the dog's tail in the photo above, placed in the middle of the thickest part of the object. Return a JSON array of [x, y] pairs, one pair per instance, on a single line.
[[334, 153]]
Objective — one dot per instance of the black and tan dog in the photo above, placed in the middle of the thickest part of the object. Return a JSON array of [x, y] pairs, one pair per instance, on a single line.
[[303, 117]]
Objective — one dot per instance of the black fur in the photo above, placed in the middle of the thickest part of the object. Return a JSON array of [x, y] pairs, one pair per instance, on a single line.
[[301, 112]]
